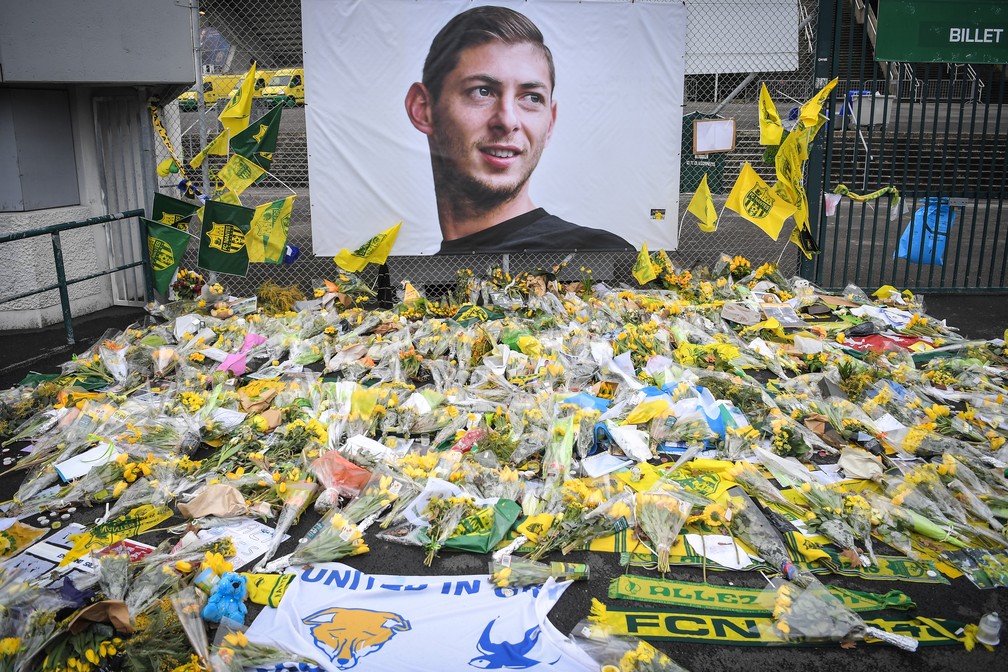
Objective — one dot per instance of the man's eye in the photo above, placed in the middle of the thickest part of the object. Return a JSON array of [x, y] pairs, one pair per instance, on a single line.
[[535, 98], [482, 92]]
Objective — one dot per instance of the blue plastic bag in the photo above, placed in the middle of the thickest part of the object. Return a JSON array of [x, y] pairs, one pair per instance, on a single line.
[[923, 241]]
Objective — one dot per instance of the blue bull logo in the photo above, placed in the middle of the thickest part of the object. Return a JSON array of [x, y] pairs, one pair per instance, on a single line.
[[347, 635], [504, 654]]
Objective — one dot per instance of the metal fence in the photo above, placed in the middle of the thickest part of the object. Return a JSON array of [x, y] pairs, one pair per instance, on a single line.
[[933, 131], [269, 31]]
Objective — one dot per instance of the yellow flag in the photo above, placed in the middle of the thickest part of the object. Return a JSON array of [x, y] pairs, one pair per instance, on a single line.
[[806, 135], [770, 126], [267, 236], [647, 411], [374, 251], [702, 207], [218, 147], [810, 109], [789, 177], [235, 115], [752, 198], [643, 269], [238, 174]]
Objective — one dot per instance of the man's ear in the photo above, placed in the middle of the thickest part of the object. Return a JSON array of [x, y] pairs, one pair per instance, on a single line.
[[418, 108], [553, 113]]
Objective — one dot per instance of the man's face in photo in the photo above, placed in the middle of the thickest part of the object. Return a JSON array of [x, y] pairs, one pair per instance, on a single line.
[[492, 120]]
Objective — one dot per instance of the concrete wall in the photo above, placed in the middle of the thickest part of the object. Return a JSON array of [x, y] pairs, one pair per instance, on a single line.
[[28, 264]]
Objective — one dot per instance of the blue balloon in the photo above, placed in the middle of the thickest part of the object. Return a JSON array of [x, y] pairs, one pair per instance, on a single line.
[[291, 254]]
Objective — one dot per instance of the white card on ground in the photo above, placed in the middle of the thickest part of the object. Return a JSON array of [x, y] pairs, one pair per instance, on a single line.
[[720, 548]]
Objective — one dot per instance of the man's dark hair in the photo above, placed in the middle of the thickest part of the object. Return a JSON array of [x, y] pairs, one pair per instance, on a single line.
[[473, 28]]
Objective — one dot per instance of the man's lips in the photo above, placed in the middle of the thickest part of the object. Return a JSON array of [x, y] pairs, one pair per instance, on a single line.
[[500, 155]]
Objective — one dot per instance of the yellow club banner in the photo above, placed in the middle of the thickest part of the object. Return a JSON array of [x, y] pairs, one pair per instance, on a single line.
[[752, 198], [770, 127], [643, 270], [235, 115], [702, 207], [810, 109], [374, 251]]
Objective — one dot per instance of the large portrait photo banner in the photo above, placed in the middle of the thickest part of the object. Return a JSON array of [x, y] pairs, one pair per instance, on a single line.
[[494, 127]]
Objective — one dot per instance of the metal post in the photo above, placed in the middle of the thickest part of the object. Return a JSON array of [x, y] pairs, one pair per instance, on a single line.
[[824, 71], [148, 272], [200, 102], [57, 249]]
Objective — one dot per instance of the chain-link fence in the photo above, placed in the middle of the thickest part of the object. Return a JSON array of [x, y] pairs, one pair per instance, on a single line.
[[269, 32]]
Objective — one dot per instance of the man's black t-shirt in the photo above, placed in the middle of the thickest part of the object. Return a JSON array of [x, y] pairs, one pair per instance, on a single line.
[[535, 231]]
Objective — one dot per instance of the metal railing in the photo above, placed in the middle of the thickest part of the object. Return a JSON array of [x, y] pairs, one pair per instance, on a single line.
[[62, 283]]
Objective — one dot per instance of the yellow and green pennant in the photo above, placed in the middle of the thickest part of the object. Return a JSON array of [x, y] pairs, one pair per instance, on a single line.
[[752, 630], [165, 247], [222, 238], [375, 251], [172, 211], [235, 115], [137, 520], [643, 270], [218, 147], [737, 599], [267, 589], [237, 175], [770, 127], [752, 198], [702, 207], [268, 235], [258, 142], [810, 109]]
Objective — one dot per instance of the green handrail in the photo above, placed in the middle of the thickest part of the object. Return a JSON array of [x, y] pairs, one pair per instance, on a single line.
[[54, 230]]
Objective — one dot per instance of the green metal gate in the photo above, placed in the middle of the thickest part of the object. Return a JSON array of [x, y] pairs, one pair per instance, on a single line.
[[937, 132]]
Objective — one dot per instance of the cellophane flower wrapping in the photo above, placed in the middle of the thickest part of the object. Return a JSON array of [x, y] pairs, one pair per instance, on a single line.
[[511, 571], [338, 538], [622, 653], [660, 516]]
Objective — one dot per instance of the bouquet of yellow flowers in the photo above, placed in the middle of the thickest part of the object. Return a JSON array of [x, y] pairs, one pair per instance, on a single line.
[[810, 613], [381, 490], [584, 513], [621, 653], [339, 538], [443, 515], [660, 516], [517, 572]]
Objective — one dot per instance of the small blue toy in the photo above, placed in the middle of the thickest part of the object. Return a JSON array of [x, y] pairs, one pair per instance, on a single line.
[[227, 599]]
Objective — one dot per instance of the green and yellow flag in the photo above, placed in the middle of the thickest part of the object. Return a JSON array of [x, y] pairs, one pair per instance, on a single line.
[[268, 236], [258, 141], [702, 207], [237, 175], [643, 269], [171, 211], [770, 126], [374, 251], [165, 246], [752, 198], [810, 109], [235, 115], [791, 188], [218, 147], [222, 238]]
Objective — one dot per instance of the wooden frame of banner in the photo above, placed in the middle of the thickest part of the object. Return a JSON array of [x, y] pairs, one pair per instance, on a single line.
[[713, 136]]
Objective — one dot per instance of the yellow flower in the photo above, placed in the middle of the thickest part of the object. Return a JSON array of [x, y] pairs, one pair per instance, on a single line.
[[9, 646], [237, 638]]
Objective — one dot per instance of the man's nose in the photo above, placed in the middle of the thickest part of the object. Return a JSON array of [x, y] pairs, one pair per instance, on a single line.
[[505, 115]]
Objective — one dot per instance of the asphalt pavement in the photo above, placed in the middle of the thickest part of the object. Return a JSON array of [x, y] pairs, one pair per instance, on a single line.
[[984, 316]]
